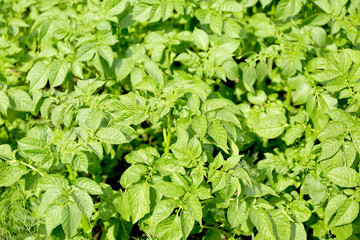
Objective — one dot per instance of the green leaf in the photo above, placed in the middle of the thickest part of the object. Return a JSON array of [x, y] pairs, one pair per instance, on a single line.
[[271, 126], [319, 35], [232, 28], [77, 69], [187, 223], [88, 185], [57, 115], [153, 70], [201, 39], [122, 205], [293, 133], [218, 133], [249, 77], [199, 125], [70, 219], [4, 102], [214, 104], [115, 7], [53, 217], [333, 205], [288, 8], [260, 218], [344, 177], [216, 23], [21, 101], [169, 189], [86, 51], [329, 147], [132, 175], [162, 210], [139, 200], [52, 181], [281, 224], [48, 198], [300, 210], [332, 129], [111, 135], [346, 213], [169, 228], [38, 75], [237, 212], [106, 53], [9, 174], [194, 207], [58, 70], [123, 68], [83, 202]]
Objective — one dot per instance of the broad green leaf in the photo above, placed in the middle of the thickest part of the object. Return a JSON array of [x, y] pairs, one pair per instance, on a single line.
[[88, 185], [194, 207], [83, 202], [70, 219], [123, 68], [49, 198], [281, 224], [260, 218], [86, 51], [329, 147], [232, 28], [187, 223], [153, 70], [169, 228], [169, 189], [4, 102], [346, 213], [300, 210], [201, 39], [77, 69], [21, 101], [38, 75], [344, 177], [216, 23], [106, 53], [58, 70], [199, 125], [249, 77], [293, 133], [218, 133], [333, 205], [115, 7], [215, 104], [50, 181], [333, 129], [111, 135], [236, 213], [271, 126], [139, 200], [162, 210], [53, 217], [9, 174], [133, 174], [122, 205], [288, 8]]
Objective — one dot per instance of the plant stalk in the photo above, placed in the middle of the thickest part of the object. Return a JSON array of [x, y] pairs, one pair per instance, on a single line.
[[168, 135]]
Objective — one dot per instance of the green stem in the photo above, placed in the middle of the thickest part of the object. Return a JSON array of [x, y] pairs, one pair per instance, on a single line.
[[168, 135], [71, 173], [288, 99], [27, 165], [86, 227]]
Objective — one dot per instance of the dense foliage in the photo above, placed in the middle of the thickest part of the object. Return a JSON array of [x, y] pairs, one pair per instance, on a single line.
[[176, 119]]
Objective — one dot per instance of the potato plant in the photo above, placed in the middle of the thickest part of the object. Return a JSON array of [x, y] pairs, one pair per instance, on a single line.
[[174, 119]]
